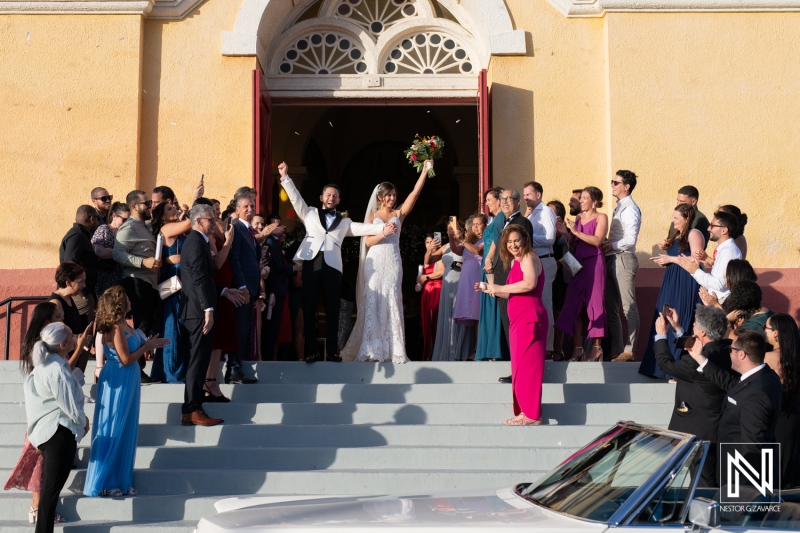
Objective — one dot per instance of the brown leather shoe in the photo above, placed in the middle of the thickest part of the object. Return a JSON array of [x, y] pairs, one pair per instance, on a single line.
[[201, 418], [625, 357]]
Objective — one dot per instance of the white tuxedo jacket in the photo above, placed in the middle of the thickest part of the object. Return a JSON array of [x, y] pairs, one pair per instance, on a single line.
[[317, 236]]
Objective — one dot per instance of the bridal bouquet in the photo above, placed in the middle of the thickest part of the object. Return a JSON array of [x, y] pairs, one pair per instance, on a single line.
[[424, 148]]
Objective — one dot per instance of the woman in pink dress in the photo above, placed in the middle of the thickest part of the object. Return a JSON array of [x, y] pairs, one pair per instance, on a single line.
[[431, 282], [587, 289], [528, 323]]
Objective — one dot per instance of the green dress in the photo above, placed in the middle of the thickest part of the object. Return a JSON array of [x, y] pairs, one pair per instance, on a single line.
[[490, 338]]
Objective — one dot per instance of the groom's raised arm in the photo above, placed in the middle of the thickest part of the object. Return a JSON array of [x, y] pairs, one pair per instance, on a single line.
[[359, 229], [300, 206]]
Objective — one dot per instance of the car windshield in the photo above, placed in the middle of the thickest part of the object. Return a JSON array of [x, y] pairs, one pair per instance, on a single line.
[[594, 482]]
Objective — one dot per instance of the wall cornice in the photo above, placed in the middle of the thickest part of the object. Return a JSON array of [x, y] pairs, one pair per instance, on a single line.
[[77, 7], [598, 8], [159, 9]]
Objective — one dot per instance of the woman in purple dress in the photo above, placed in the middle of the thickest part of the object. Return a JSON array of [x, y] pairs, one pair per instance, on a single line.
[[528, 323], [468, 302], [587, 288]]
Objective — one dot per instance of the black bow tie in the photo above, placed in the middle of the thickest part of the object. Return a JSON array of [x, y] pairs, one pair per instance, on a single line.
[[331, 212]]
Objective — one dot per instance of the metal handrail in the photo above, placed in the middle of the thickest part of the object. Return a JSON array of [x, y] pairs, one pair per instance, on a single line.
[[7, 302]]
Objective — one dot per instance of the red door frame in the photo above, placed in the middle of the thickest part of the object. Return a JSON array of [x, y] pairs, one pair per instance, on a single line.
[[484, 153], [262, 143]]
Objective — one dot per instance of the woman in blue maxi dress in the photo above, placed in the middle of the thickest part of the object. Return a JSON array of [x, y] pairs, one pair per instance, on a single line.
[[115, 428], [490, 346], [168, 362], [679, 289]]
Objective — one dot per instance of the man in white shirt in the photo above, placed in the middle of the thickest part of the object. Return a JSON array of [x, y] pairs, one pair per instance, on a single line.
[[543, 221], [720, 230], [622, 267]]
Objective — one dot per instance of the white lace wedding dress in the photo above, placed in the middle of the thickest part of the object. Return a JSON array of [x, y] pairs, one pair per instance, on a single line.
[[379, 333]]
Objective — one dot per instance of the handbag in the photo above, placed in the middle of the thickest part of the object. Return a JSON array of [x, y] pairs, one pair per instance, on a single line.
[[168, 287], [571, 263]]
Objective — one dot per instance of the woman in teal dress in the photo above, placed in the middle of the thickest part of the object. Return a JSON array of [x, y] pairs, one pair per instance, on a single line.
[[115, 428], [168, 363], [490, 346]]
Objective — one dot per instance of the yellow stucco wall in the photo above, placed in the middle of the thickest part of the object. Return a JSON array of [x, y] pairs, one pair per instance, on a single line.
[[69, 121], [711, 100], [706, 99], [196, 105], [548, 108]]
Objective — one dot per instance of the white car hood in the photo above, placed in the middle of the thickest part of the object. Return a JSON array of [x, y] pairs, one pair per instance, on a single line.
[[502, 510]]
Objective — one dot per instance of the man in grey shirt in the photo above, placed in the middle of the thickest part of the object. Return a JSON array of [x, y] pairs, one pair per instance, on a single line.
[[135, 250]]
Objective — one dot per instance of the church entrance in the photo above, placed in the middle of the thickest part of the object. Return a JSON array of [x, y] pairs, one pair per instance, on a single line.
[[359, 146]]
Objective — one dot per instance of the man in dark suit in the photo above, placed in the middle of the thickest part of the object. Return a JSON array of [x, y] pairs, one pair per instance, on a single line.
[[198, 300], [509, 204], [698, 401], [76, 246], [753, 402], [277, 284], [244, 258]]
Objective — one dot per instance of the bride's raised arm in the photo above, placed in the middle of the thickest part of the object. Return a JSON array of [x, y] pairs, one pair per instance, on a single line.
[[408, 205]]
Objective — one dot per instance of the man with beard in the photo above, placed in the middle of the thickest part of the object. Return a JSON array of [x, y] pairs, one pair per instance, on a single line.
[[135, 250]]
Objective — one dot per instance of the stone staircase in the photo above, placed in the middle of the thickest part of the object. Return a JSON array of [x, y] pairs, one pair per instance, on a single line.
[[349, 428]]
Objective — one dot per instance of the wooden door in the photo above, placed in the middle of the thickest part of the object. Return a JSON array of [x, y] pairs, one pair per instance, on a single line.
[[484, 161], [262, 143]]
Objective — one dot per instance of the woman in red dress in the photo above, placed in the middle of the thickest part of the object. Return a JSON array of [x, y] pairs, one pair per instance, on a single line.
[[431, 282], [225, 339]]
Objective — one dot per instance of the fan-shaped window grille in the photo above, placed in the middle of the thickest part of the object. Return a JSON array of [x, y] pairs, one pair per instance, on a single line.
[[324, 52], [428, 53], [376, 15]]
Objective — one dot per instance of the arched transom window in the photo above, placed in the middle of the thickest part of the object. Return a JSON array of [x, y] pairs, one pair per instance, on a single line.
[[392, 38]]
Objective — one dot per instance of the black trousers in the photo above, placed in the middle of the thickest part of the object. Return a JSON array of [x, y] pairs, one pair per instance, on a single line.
[[58, 454], [500, 275], [145, 307], [270, 329], [196, 356], [318, 277], [245, 335]]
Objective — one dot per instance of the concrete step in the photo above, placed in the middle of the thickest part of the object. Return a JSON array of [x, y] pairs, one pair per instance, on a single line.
[[279, 435], [403, 414], [102, 526], [413, 372], [75, 508], [398, 393], [483, 458], [200, 482]]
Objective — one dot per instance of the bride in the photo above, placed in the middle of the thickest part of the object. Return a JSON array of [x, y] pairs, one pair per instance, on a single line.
[[379, 333]]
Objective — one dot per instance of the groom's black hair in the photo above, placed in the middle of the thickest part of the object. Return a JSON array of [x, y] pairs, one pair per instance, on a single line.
[[332, 186]]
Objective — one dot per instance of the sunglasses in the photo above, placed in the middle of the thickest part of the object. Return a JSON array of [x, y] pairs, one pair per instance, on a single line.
[[148, 203], [715, 226], [104, 198], [766, 327], [615, 183]]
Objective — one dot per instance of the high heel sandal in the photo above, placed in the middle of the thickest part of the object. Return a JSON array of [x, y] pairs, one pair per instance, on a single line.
[[598, 354], [211, 397], [578, 354], [33, 514], [558, 356]]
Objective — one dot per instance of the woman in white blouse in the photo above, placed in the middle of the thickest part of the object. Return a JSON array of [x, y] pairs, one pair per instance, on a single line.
[[54, 409]]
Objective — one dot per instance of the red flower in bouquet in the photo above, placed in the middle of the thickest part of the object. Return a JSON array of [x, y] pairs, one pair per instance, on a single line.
[[423, 149]]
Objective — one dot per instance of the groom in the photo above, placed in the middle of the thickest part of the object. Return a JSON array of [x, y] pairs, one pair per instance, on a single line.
[[325, 231]]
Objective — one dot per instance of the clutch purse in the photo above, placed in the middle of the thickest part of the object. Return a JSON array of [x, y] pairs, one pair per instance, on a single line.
[[572, 264], [168, 287]]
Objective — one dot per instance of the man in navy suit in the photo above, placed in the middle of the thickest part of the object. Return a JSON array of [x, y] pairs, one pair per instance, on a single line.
[[198, 299], [244, 259], [277, 283]]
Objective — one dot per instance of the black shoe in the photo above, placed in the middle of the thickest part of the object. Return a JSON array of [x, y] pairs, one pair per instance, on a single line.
[[505, 379], [312, 359], [334, 359], [240, 378], [145, 378]]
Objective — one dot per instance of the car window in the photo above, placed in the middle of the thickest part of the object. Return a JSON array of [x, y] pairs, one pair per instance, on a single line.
[[668, 503], [596, 481]]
